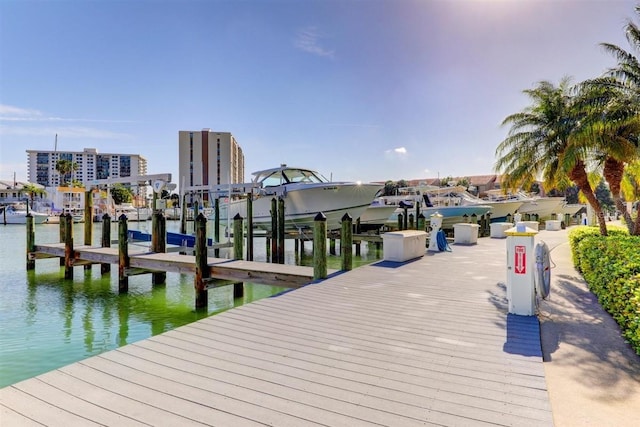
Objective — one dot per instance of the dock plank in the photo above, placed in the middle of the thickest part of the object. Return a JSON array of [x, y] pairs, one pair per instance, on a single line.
[[426, 342]]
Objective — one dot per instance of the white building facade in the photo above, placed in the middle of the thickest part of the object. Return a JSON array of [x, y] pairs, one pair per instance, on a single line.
[[209, 158]]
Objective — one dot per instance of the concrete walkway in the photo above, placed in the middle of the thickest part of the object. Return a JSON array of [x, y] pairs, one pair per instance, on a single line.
[[593, 376]]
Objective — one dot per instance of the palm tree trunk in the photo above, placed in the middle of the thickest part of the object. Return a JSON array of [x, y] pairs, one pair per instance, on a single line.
[[579, 176], [613, 172]]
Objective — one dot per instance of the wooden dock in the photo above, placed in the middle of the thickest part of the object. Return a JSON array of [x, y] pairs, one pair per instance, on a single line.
[[427, 342], [142, 260]]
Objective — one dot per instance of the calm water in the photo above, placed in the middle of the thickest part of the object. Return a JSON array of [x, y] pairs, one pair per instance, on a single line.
[[47, 322]]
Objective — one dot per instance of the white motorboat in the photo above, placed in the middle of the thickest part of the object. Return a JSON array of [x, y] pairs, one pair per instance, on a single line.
[[544, 207], [306, 193], [459, 196], [132, 213], [376, 215], [17, 214], [451, 213]]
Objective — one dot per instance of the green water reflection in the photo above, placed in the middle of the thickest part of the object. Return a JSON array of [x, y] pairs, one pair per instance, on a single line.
[[47, 321]]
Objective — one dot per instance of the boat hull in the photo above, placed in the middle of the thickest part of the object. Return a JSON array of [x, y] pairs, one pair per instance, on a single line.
[[450, 214], [21, 217], [303, 202]]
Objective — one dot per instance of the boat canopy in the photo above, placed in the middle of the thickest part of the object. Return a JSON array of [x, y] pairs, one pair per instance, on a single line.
[[287, 175]]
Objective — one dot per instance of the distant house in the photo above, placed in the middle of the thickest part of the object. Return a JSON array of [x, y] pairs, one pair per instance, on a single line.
[[13, 192]]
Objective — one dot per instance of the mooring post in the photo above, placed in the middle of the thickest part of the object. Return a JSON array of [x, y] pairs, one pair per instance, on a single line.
[[237, 236], [216, 224], [159, 243], [183, 217], [487, 228], [274, 231], [421, 222], [250, 227], [238, 288], [105, 241], [410, 226], [88, 220], [202, 268], [123, 254], [68, 246], [400, 221], [567, 219], [358, 226], [62, 225], [417, 217], [405, 219], [332, 245], [31, 243], [281, 230], [346, 242], [320, 247]]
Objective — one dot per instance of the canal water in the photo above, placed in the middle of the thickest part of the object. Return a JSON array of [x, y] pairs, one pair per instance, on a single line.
[[47, 322]]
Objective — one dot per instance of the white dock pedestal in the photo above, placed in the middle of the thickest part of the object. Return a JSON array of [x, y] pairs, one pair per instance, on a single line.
[[466, 234], [498, 229], [552, 225], [400, 246]]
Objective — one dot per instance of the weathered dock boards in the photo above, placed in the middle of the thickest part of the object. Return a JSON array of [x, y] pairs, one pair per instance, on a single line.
[[290, 276], [426, 342]]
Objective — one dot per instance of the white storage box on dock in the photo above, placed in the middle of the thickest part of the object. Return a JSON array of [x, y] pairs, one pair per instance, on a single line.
[[400, 246], [553, 225], [465, 233], [498, 229], [534, 225]]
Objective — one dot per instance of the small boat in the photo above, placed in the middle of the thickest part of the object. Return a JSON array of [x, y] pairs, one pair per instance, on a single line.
[[306, 193], [17, 214]]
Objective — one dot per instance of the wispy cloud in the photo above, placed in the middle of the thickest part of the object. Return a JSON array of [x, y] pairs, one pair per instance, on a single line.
[[9, 113], [308, 40], [68, 132], [396, 152]]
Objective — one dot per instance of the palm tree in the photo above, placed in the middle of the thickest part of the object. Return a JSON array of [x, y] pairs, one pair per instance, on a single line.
[[32, 191], [65, 167], [623, 122], [541, 143]]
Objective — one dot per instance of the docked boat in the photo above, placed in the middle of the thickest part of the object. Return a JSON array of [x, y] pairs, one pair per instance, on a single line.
[[459, 196], [306, 193], [17, 214], [376, 215], [132, 213], [451, 213], [544, 207]]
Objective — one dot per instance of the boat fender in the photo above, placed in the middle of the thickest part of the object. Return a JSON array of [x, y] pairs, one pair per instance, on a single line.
[[542, 272]]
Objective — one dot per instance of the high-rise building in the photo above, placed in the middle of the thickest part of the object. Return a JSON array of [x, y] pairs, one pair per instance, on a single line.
[[90, 166], [208, 158]]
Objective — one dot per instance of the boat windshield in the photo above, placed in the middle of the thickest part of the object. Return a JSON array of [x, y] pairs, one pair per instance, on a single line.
[[287, 176]]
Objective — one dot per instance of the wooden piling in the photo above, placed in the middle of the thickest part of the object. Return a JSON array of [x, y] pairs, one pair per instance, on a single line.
[[422, 222], [346, 242], [237, 236], [105, 241], [61, 227], [183, 217], [123, 254], [274, 231], [400, 221], [417, 217], [88, 219], [159, 243], [281, 230], [68, 245], [216, 224], [31, 242], [405, 222], [238, 288], [202, 267], [332, 245], [249, 227], [320, 247], [410, 225]]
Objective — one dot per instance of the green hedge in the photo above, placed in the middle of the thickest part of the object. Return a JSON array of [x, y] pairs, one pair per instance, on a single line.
[[611, 267]]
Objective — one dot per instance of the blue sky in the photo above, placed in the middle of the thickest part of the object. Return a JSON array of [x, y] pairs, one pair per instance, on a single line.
[[364, 90]]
